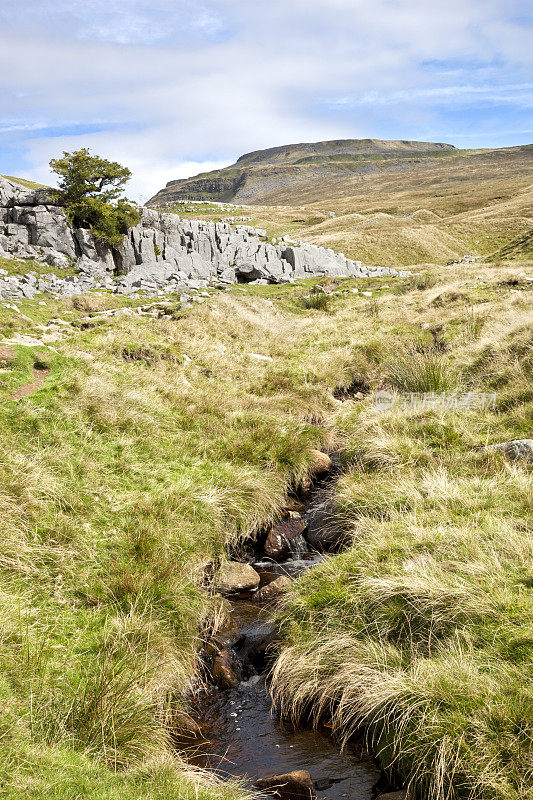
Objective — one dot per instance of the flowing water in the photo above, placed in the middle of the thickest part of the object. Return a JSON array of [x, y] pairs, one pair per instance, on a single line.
[[241, 736], [239, 733]]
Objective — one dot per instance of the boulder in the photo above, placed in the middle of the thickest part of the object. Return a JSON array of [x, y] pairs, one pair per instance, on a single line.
[[57, 260], [228, 275], [247, 272], [295, 785], [87, 266], [515, 450], [236, 577]]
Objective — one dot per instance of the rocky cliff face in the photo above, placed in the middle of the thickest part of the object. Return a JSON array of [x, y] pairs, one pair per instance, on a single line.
[[162, 253]]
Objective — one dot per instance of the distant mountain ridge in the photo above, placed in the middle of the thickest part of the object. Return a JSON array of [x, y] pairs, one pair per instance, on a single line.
[[261, 173]]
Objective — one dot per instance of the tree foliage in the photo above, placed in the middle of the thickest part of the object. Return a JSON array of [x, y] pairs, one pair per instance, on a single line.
[[90, 190]]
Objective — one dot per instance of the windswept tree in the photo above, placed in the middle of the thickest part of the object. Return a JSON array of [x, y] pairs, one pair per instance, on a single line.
[[90, 190]]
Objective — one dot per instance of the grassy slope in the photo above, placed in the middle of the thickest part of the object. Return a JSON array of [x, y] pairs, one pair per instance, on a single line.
[[156, 442], [474, 203], [422, 630], [152, 445], [24, 182]]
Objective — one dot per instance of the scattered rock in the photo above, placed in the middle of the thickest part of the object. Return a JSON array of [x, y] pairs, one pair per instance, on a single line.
[[286, 538], [401, 795], [295, 785], [236, 577], [515, 450], [272, 590]]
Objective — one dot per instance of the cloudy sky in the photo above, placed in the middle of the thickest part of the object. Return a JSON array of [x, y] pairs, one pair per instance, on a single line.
[[175, 87]]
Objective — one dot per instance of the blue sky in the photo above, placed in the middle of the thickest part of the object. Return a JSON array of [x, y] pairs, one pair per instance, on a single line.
[[175, 87]]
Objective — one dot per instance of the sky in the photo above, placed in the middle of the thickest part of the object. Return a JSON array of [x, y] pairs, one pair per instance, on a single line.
[[172, 88]]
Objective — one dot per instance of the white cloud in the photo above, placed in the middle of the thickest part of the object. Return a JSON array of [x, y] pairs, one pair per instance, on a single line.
[[518, 93], [172, 85]]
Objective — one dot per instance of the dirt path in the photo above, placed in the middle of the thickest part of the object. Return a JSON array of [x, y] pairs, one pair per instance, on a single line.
[[40, 376], [7, 353]]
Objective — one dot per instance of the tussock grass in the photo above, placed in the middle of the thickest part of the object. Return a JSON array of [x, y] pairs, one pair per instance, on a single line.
[[424, 280], [157, 445], [415, 368], [317, 300], [421, 632]]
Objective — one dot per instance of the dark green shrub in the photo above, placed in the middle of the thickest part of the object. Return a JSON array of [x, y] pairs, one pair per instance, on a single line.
[[89, 191]]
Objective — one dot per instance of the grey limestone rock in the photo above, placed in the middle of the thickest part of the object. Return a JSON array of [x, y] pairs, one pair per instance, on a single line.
[[158, 252], [515, 450]]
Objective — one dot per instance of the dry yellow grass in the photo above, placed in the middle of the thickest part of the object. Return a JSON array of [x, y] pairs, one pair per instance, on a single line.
[[469, 203]]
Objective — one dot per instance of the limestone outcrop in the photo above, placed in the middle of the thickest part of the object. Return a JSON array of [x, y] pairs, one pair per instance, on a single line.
[[161, 253]]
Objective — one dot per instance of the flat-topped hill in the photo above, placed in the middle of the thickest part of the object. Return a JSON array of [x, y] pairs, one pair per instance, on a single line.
[[301, 153], [266, 172]]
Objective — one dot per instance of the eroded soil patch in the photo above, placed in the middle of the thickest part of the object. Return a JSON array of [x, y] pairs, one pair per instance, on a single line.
[[39, 376]]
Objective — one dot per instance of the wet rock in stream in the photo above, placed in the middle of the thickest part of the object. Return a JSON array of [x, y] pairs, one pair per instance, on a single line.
[[323, 531], [293, 505], [234, 577], [286, 538], [227, 670], [255, 645], [296, 785], [273, 590]]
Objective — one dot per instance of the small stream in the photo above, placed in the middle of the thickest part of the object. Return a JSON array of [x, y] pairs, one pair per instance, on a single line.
[[239, 734]]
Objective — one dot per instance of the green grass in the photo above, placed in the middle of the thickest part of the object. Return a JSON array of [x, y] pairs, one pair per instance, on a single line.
[[24, 182], [155, 444], [422, 631], [22, 267]]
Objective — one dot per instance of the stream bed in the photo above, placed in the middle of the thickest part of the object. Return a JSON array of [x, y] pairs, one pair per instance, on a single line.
[[240, 735]]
